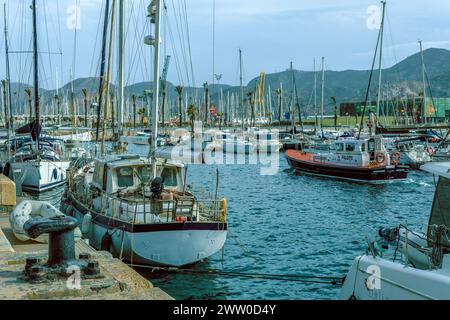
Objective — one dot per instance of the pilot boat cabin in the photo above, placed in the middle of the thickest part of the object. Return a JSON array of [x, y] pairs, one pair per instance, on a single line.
[[355, 159]]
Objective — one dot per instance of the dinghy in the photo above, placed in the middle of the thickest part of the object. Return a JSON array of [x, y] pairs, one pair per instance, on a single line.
[[29, 209]]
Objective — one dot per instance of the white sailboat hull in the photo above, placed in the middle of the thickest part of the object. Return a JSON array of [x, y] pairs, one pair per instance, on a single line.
[[138, 140], [396, 281], [80, 137], [38, 176]]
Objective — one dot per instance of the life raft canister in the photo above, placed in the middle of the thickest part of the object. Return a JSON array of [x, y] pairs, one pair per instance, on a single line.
[[395, 158], [380, 157]]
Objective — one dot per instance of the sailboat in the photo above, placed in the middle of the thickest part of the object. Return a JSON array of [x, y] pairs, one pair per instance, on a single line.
[[423, 271], [139, 208], [37, 159]]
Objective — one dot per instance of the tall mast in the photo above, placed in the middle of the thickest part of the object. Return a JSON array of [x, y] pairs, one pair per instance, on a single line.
[[102, 71], [293, 97], [424, 118], [156, 84], [380, 65], [10, 121], [241, 88], [36, 74], [323, 94], [121, 44], [315, 98]]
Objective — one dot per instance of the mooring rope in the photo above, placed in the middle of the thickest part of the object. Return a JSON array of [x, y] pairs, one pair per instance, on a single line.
[[336, 281]]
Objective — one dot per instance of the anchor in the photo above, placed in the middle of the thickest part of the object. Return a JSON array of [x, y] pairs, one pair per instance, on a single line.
[[61, 251]]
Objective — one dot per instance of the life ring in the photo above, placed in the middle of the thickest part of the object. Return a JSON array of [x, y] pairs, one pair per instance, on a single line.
[[380, 157], [430, 150], [395, 158]]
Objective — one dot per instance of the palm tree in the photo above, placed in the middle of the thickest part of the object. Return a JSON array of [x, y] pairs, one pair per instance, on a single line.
[[179, 90], [58, 104], [335, 111], [192, 112], [85, 98], [134, 98], [142, 113], [220, 116], [29, 93], [251, 100], [205, 86], [270, 115]]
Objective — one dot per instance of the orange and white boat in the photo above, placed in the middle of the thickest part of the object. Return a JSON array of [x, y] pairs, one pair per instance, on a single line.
[[360, 160]]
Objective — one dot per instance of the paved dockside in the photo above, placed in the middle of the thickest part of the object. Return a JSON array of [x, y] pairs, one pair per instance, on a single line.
[[118, 281]]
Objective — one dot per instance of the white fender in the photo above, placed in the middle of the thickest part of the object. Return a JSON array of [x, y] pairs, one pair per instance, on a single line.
[[29, 209], [86, 224]]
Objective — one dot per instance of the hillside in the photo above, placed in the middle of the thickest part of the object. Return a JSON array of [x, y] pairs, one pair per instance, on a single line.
[[349, 85]]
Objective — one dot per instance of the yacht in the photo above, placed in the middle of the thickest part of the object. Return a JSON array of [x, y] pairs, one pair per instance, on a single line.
[[420, 265], [226, 142], [41, 166], [412, 154]]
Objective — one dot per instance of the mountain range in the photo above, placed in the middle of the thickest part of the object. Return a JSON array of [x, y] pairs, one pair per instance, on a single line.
[[401, 80]]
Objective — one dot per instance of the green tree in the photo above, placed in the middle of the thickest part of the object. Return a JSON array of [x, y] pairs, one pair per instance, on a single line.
[[29, 93], [85, 99], [192, 112], [179, 90]]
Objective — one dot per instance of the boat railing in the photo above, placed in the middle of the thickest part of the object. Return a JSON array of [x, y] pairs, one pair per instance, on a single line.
[[212, 210], [169, 209]]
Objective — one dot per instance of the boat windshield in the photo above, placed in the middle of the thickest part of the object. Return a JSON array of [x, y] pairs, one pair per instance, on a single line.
[[170, 177], [125, 177], [131, 176], [349, 147]]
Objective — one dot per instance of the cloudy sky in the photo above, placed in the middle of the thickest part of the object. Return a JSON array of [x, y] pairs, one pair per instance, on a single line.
[[271, 33]]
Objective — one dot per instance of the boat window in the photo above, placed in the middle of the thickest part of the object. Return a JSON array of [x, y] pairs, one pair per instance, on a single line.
[[363, 147], [144, 174], [371, 145], [170, 177], [99, 175], [350, 147], [125, 177], [339, 147], [378, 145]]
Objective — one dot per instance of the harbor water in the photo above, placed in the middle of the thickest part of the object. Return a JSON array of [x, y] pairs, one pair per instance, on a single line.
[[294, 224], [291, 224]]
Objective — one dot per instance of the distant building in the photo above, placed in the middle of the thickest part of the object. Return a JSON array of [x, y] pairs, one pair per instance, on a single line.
[[437, 109]]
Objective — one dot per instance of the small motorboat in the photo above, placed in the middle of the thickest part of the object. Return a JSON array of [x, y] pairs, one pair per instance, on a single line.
[[352, 159], [29, 209]]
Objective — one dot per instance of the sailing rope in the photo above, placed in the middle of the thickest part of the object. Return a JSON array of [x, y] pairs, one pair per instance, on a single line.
[[335, 281]]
